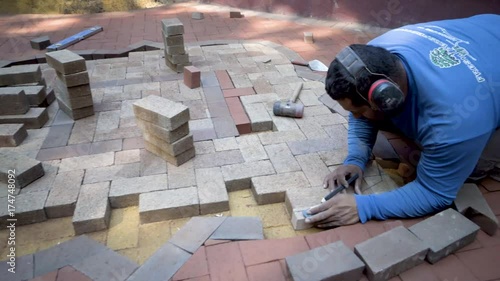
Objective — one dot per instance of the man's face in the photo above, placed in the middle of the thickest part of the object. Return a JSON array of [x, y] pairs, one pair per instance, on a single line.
[[358, 111]]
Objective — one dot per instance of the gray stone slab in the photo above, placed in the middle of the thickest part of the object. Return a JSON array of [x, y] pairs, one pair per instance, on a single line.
[[105, 266], [74, 79], [66, 62], [471, 203], [391, 253], [12, 135], [35, 94], [172, 26], [161, 133], [271, 189], [333, 262], [162, 112], [168, 204], [28, 208], [23, 168], [21, 74], [44, 183], [125, 192], [102, 174], [23, 270], [92, 211], [239, 228], [225, 127], [195, 232], [311, 146], [181, 176], [65, 253], [35, 118], [237, 176], [152, 164], [217, 159], [211, 191], [64, 194], [58, 136], [162, 265], [62, 119], [455, 232], [13, 101]]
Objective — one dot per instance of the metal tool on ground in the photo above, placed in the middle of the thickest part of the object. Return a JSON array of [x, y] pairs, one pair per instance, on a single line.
[[290, 108], [315, 65], [63, 44], [340, 188]]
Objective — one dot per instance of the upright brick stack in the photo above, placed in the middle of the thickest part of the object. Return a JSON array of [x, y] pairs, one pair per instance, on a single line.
[[73, 92], [165, 127], [175, 53]]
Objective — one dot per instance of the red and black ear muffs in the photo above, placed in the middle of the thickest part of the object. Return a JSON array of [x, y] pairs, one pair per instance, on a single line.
[[384, 94]]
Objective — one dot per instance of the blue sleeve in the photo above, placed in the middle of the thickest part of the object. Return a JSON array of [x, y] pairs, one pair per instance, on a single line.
[[441, 171], [361, 137]]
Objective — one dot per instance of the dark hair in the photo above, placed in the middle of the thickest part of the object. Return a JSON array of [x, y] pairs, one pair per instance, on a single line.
[[341, 84]]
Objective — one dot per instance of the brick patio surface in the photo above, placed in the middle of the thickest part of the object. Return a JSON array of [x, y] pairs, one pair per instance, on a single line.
[[268, 174]]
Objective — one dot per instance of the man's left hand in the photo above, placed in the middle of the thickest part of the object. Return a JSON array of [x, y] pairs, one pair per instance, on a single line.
[[339, 210]]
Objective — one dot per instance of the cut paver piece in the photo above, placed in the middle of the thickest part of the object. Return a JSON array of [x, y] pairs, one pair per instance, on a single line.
[[239, 228], [35, 94], [92, 211], [308, 37], [66, 62], [35, 118], [13, 101], [192, 77], [12, 135], [107, 265], [238, 176], [24, 269], [211, 191], [162, 112], [235, 15], [195, 232], [197, 16], [259, 117], [64, 194], [172, 26], [391, 253], [24, 169], [455, 232], [28, 209], [162, 265], [58, 136], [333, 262], [40, 43], [66, 253], [20, 74], [168, 204], [471, 203], [125, 192], [271, 189], [299, 220], [161, 133]]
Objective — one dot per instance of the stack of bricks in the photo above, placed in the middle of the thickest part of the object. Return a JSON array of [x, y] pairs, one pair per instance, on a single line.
[[74, 95], [173, 37], [165, 128]]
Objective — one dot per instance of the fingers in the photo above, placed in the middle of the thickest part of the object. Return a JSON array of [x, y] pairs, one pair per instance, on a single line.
[[318, 217], [329, 224], [319, 208], [357, 185]]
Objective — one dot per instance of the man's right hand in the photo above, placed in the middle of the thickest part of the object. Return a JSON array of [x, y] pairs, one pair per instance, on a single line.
[[338, 177]]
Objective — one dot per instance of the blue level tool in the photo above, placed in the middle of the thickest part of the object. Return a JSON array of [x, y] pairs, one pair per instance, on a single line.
[[65, 43]]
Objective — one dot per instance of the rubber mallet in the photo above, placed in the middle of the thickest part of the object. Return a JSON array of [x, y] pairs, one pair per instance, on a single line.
[[290, 108]]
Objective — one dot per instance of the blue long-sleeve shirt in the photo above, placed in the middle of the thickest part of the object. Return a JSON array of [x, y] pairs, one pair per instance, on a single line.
[[452, 109]]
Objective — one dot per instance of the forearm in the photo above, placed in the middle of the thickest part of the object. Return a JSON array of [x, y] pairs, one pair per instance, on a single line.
[[360, 140]]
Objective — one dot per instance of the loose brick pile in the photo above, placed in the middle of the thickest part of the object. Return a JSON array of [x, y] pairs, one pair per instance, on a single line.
[[23, 98], [173, 37], [165, 128], [74, 95]]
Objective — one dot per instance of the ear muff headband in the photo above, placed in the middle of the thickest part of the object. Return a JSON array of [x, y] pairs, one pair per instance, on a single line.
[[374, 87]]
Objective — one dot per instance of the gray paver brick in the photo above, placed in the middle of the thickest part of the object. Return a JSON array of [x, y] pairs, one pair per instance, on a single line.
[[164, 134], [312, 129], [271, 189], [267, 138], [12, 135], [259, 117], [217, 159], [195, 232], [106, 146], [29, 208], [152, 164], [225, 144], [35, 118], [66, 61], [204, 147], [237, 176], [64, 194], [35, 94], [391, 253], [24, 269], [162, 112], [239, 228], [127, 156], [92, 211], [251, 148], [77, 113], [181, 176], [107, 265], [314, 168], [471, 203], [26, 169], [304, 198], [102, 174], [334, 261], [108, 120], [87, 162], [13, 101], [163, 264], [75, 102], [282, 159], [175, 148], [211, 191], [455, 231], [299, 221], [44, 183], [333, 157], [74, 79], [282, 123], [20, 74], [125, 192], [172, 26], [174, 160], [168, 204], [58, 136], [311, 146], [337, 133]]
